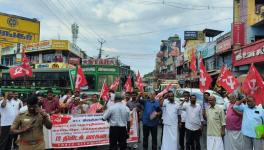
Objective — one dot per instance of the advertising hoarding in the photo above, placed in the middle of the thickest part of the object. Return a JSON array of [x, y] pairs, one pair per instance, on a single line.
[[16, 29]]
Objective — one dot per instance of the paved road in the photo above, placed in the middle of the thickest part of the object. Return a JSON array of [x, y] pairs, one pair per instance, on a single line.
[[140, 145]]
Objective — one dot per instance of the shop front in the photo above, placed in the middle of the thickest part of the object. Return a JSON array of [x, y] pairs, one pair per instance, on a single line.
[[247, 55]]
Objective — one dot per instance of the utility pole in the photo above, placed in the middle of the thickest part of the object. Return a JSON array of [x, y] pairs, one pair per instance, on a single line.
[[101, 42]]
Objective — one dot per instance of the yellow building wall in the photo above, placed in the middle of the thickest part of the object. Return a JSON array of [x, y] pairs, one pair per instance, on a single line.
[[253, 18], [14, 29], [236, 13]]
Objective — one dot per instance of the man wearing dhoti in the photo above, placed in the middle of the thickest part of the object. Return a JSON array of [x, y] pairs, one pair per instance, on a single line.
[[171, 119], [215, 125], [233, 136]]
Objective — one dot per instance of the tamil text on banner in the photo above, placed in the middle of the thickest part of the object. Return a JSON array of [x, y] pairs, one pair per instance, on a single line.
[[84, 130]]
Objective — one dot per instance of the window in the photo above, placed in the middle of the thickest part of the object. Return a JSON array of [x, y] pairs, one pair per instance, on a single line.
[[47, 58], [34, 59]]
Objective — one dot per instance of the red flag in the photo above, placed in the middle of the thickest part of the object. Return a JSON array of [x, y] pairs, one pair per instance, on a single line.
[[105, 92], [80, 80], [166, 90], [227, 80], [25, 64], [23, 70], [115, 84], [253, 85], [205, 78], [140, 83], [193, 62], [16, 72], [128, 84]]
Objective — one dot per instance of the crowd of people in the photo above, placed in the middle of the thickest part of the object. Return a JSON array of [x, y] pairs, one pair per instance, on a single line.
[[185, 123]]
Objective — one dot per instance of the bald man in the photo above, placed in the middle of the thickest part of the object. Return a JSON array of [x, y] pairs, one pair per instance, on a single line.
[[215, 125]]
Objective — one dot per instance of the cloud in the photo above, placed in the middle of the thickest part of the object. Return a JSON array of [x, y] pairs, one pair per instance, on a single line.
[[174, 20], [121, 14], [132, 29]]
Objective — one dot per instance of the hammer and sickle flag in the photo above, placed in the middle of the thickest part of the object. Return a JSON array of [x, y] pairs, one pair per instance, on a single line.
[[80, 80]]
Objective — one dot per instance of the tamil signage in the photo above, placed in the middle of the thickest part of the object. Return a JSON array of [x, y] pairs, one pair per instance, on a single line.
[[83, 130], [63, 45], [93, 61], [249, 54], [89, 69], [101, 69], [238, 33], [193, 35], [16, 29], [53, 65], [39, 46], [60, 44], [224, 45]]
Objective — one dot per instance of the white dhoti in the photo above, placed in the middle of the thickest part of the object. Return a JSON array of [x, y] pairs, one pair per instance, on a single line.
[[215, 143], [170, 138], [233, 140]]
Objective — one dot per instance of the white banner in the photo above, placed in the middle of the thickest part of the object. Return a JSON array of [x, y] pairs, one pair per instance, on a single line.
[[84, 130]]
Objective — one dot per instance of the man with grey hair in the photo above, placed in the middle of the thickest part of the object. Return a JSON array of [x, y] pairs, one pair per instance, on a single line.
[[118, 116], [252, 117], [233, 136], [215, 117]]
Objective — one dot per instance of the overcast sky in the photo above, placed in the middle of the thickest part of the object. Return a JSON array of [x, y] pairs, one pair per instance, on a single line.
[[132, 29]]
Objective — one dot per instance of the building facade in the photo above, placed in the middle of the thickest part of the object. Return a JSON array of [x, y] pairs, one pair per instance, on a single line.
[[44, 54], [248, 35]]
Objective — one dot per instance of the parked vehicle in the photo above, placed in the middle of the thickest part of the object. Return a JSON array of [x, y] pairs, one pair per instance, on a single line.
[[199, 95]]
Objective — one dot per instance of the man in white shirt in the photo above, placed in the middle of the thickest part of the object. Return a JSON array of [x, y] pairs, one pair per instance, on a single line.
[[193, 124], [171, 118], [9, 110]]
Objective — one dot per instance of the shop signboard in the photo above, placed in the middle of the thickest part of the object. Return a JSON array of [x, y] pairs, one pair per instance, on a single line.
[[206, 49], [93, 61], [224, 45], [16, 29], [60, 44], [249, 54], [74, 61], [102, 69], [193, 35], [52, 65], [39, 46], [238, 33]]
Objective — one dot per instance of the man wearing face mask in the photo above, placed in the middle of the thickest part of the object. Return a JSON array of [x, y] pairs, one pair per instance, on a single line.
[[252, 116], [171, 119], [29, 126]]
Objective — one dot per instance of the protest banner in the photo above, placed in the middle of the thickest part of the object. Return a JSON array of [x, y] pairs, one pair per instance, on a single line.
[[83, 130]]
